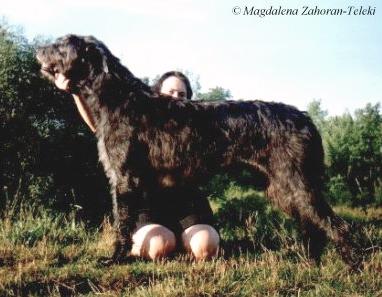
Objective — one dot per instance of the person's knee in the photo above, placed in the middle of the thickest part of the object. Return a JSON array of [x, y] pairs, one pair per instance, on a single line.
[[202, 241], [153, 242]]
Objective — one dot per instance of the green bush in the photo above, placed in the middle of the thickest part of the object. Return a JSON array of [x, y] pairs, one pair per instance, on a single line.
[[338, 191]]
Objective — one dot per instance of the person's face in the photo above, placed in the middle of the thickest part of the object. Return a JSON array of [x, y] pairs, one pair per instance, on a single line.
[[174, 87]]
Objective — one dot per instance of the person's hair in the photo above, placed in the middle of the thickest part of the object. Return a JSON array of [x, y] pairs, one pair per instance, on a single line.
[[158, 84]]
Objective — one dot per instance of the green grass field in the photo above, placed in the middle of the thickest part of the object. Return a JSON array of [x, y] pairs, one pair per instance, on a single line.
[[45, 253]]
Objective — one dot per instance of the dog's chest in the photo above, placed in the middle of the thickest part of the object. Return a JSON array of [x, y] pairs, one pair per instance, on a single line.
[[105, 160]]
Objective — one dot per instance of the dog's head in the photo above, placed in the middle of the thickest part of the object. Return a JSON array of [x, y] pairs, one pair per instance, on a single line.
[[77, 59]]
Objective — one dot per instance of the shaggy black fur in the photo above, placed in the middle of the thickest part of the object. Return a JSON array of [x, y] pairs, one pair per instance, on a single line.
[[148, 142]]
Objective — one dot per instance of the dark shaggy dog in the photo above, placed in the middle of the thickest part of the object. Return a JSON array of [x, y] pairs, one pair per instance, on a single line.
[[148, 142]]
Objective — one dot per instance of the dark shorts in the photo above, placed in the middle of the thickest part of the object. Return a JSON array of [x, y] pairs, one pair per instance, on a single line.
[[176, 209]]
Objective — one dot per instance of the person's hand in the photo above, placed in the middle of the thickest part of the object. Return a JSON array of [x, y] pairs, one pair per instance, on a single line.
[[61, 82]]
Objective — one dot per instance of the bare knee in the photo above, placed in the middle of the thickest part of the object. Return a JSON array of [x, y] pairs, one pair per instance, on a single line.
[[202, 241], [153, 242]]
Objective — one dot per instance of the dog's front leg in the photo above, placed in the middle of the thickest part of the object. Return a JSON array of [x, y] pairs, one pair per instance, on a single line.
[[124, 212]]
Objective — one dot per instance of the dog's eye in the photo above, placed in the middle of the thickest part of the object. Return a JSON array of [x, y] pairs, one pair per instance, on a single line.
[[50, 69], [47, 69]]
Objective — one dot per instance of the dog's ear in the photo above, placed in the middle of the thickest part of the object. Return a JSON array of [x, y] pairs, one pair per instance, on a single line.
[[97, 54], [104, 59]]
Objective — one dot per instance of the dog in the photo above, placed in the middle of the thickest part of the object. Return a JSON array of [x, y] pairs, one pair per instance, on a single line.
[[148, 142]]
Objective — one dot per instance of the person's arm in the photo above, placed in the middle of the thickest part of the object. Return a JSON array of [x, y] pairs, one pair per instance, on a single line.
[[63, 83], [84, 112]]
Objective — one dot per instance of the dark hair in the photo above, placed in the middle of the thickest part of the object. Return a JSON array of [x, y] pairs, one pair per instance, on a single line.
[[158, 84]]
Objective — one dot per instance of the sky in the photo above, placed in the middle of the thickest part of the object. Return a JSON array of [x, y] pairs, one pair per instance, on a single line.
[[286, 58]]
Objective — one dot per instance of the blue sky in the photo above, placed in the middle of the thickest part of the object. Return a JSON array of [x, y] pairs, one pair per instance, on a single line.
[[292, 59]]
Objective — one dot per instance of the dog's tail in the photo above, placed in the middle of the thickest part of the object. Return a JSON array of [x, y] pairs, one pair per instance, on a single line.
[[296, 183]]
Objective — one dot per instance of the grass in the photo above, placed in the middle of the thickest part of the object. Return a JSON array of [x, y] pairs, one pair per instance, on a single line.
[[45, 253]]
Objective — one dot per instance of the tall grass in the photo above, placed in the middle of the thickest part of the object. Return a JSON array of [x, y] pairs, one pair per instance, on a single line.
[[46, 253]]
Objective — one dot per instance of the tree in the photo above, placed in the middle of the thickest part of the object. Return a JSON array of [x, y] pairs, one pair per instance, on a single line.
[[353, 153], [366, 152], [317, 114], [215, 94], [353, 147], [19, 138], [46, 152]]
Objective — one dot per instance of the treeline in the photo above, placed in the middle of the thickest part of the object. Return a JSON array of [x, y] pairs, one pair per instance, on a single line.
[[353, 154], [48, 154]]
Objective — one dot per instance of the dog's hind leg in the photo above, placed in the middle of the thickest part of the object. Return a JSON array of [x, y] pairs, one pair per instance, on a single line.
[[296, 202], [302, 199], [320, 222]]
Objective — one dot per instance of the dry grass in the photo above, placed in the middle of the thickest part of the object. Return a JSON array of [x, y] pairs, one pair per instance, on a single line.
[[45, 254]]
